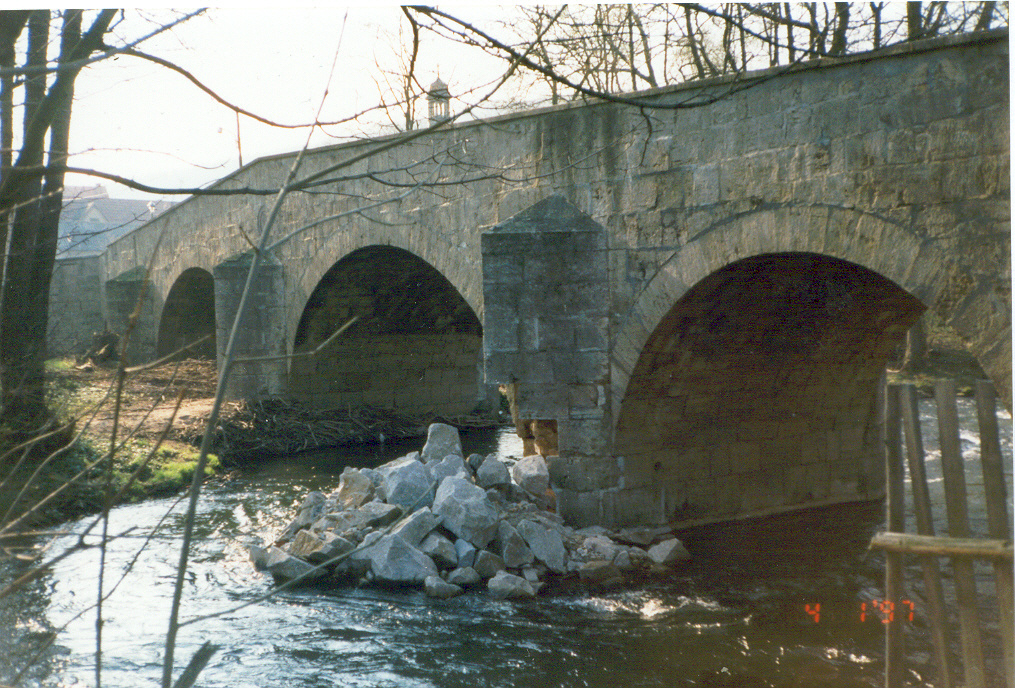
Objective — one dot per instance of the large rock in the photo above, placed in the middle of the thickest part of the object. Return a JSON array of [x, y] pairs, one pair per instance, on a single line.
[[487, 564], [466, 552], [643, 536], [440, 550], [464, 576], [258, 556], [408, 486], [354, 489], [668, 552], [545, 543], [492, 472], [600, 572], [416, 526], [441, 440], [450, 465], [285, 567], [599, 547], [318, 549], [475, 460], [393, 560], [310, 510], [531, 474], [435, 587], [506, 586], [393, 465], [334, 546], [370, 515], [513, 549], [466, 510]]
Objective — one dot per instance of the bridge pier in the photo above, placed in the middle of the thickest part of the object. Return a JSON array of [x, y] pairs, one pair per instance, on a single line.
[[261, 334], [121, 296], [546, 331]]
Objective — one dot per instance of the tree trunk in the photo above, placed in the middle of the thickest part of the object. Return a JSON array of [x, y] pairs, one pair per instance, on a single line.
[[12, 23], [914, 21], [841, 25], [25, 295], [21, 362]]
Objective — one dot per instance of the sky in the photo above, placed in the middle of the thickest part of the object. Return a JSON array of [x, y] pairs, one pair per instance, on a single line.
[[139, 120]]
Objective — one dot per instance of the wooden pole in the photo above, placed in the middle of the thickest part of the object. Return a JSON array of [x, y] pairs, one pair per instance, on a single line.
[[925, 526], [974, 548], [895, 517], [953, 470], [997, 516]]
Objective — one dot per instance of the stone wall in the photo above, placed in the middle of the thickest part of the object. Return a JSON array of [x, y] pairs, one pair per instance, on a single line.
[[411, 374], [75, 305]]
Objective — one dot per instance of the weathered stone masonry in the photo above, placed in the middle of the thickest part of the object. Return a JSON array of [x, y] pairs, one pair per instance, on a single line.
[[701, 298]]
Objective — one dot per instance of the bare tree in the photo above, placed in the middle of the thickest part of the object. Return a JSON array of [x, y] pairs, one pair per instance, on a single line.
[[397, 83], [31, 197], [619, 48]]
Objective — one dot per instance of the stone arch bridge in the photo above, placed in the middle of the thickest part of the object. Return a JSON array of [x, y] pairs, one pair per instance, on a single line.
[[700, 300]]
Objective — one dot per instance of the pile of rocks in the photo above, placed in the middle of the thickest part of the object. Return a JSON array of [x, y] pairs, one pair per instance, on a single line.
[[437, 519]]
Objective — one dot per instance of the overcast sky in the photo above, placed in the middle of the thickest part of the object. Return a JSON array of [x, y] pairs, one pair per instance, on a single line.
[[138, 120]]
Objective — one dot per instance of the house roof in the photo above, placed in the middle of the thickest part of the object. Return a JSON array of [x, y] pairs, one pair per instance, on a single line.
[[90, 219]]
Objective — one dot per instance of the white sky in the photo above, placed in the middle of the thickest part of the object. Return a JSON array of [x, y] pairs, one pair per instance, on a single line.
[[139, 120]]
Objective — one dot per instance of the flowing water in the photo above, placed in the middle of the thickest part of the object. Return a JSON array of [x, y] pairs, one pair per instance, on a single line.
[[778, 602]]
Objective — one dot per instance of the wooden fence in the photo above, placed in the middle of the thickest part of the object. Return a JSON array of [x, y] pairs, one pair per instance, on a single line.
[[959, 544]]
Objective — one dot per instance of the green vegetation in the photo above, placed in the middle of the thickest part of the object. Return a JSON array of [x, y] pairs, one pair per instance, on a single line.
[[134, 474]]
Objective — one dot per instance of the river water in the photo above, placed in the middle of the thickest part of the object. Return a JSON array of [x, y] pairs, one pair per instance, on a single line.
[[744, 613]]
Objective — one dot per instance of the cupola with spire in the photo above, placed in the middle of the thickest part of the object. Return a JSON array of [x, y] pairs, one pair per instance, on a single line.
[[439, 102]]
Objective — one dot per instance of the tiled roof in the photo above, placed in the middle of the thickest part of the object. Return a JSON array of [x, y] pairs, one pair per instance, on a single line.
[[90, 220]]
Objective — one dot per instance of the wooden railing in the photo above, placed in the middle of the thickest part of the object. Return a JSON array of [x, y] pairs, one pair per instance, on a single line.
[[960, 545]]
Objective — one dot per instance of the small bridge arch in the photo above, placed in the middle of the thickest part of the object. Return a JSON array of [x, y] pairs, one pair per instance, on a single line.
[[188, 315], [414, 348]]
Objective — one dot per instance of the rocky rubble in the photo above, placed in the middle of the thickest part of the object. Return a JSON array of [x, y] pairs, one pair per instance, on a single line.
[[438, 520]]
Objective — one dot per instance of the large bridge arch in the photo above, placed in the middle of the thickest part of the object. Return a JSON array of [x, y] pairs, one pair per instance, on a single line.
[[758, 390], [884, 247], [414, 349], [811, 434]]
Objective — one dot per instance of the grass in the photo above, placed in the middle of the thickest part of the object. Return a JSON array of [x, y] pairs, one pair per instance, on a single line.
[[69, 394]]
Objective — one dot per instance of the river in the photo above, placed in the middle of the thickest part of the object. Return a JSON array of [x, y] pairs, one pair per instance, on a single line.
[[742, 614]]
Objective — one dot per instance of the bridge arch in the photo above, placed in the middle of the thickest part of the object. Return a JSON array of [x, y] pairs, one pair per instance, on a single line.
[[759, 388], [188, 314], [745, 380], [415, 348], [887, 248]]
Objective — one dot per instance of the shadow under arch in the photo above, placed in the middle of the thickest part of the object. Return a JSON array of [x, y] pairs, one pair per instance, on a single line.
[[415, 349], [884, 246], [188, 315], [758, 390]]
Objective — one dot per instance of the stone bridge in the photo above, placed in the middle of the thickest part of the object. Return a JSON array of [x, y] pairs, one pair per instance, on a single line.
[[700, 298]]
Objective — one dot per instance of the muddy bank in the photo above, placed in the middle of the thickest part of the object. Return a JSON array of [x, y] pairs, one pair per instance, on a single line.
[[256, 430]]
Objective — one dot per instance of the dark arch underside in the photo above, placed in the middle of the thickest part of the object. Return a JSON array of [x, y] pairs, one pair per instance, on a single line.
[[415, 348], [758, 390], [189, 315]]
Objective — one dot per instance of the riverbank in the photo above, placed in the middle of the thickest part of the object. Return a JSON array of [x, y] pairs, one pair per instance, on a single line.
[[154, 456]]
